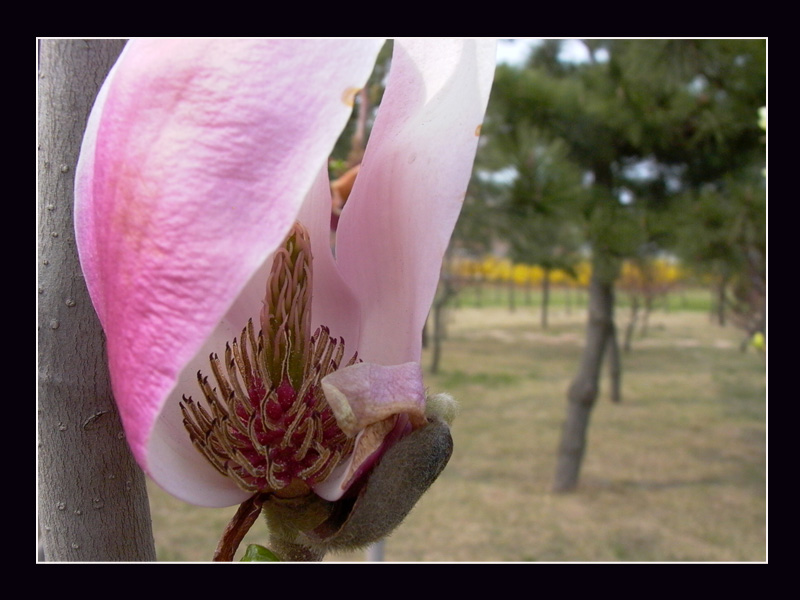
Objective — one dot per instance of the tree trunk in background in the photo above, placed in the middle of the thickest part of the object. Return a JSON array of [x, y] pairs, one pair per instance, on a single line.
[[377, 552], [91, 495], [545, 297], [614, 364], [438, 334], [359, 140], [584, 388], [631, 328], [719, 303], [648, 309], [446, 291]]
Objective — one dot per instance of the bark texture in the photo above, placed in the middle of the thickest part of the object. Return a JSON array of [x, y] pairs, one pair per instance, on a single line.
[[92, 501], [545, 297], [584, 388], [614, 363], [445, 292], [634, 320]]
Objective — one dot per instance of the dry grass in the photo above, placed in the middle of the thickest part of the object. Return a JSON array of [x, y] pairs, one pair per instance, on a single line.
[[676, 472]]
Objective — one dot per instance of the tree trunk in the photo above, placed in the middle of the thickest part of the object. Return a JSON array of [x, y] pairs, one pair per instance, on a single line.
[[438, 334], [359, 140], [614, 365], [446, 291], [584, 388], [376, 552], [92, 497], [545, 297], [719, 304], [648, 309], [629, 330]]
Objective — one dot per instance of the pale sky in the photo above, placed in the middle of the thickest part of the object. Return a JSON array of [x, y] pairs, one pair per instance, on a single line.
[[515, 51]]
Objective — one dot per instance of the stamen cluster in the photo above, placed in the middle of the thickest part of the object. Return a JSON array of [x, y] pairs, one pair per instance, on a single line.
[[267, 424]]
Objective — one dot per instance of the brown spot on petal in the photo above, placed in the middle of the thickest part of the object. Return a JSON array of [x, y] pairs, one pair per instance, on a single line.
[[478, 130], [349, 96]]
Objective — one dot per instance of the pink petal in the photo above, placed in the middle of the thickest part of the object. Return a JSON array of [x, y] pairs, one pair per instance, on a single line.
[[370, 445], [397, 223], [377, 404], [197, 158], [366, 393], [333, 303]]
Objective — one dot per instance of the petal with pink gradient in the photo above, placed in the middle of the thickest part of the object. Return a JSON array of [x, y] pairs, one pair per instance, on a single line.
[[410, 188], [198, 158], [366, 393]]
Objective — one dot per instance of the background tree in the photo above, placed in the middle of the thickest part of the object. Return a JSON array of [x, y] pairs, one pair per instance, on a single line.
[[578, 107], [703, 132], [542, 205], [647, 122], [724, 238], [349, 149]]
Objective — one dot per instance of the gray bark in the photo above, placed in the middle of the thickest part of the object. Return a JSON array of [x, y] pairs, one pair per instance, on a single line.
[[584, 388], [512, 295], [634, 319], [545, 297], [91, 494], [445, 292], [614, 365], [376, 552], [648, 309], [718, 307]]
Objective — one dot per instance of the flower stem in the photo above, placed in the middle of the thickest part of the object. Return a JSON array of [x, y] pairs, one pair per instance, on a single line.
[[240, 524], [289, 551]]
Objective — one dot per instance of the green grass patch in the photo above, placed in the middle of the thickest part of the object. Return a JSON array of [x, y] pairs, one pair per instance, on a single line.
[[500, 295], [458, 378]]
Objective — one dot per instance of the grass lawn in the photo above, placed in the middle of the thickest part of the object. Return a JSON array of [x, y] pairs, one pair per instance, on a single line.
[[676, 472]]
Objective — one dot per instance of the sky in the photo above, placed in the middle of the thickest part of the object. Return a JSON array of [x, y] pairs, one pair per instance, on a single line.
[[515, 51]]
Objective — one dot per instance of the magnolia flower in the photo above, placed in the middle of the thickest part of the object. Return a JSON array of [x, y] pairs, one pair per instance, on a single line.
[[202, 216]]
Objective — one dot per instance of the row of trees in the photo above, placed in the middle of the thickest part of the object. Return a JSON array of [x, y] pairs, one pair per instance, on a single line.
[[657, 275], [648, 147], [498, 279]]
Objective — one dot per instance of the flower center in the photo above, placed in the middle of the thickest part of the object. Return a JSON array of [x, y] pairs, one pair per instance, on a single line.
[[267, 424]]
